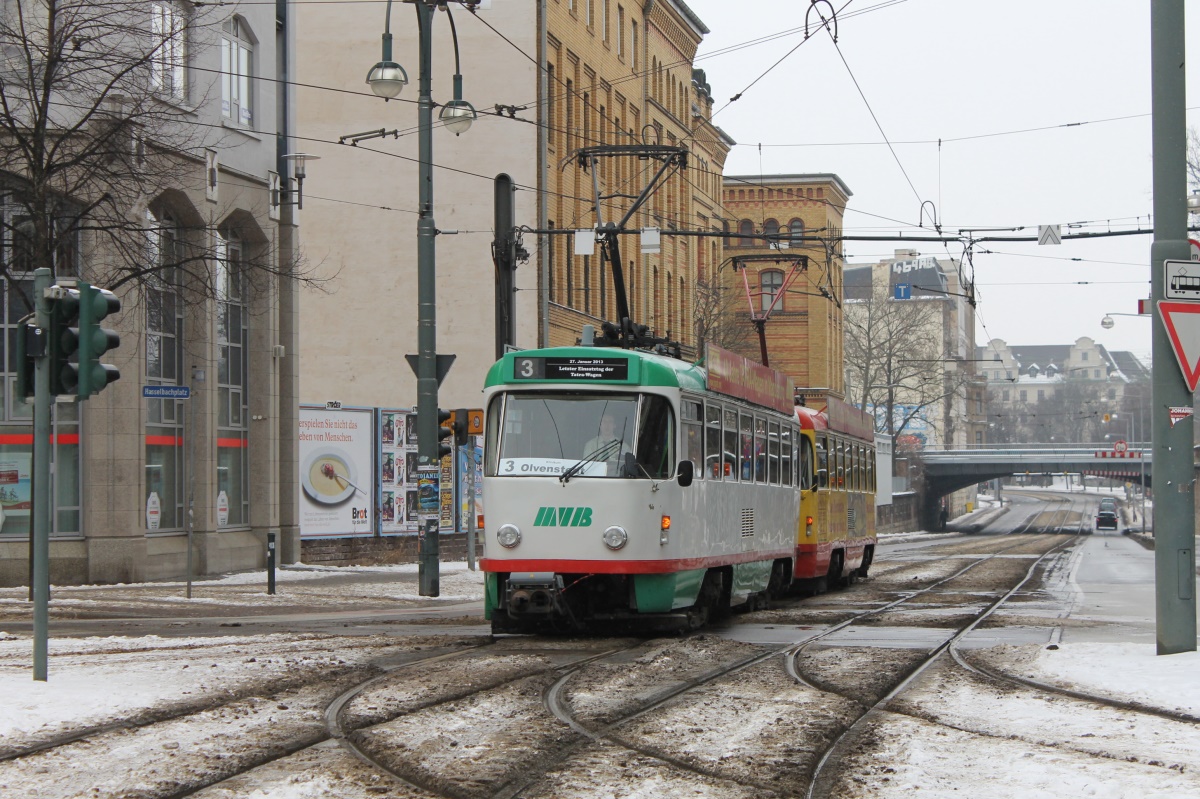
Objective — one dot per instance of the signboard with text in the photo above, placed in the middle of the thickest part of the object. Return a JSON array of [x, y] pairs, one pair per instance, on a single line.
[[336, 474]]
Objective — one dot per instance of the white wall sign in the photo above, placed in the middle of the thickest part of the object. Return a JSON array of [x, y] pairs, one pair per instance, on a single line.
[[154, 511]]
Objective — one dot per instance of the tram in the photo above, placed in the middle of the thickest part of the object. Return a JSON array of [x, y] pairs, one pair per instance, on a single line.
[[837, 540], [627, 486]]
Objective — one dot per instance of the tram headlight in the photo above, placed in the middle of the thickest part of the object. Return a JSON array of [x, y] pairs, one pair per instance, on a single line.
[[615, 537], [508, 535]]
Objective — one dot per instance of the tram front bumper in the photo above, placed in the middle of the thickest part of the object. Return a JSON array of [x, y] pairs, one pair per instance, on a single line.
[[533, 594]]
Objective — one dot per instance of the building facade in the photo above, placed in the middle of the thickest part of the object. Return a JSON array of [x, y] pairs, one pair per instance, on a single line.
[[787, 228], [205, 269], [1071, 393]]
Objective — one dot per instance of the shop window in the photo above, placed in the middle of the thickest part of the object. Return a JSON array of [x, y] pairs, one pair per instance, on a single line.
[[233, 431]]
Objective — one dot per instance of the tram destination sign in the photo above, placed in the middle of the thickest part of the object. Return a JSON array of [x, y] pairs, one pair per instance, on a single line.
[[583, 370]]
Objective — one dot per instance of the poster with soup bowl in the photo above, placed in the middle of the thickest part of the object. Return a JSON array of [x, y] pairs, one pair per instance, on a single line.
[[337, 481]]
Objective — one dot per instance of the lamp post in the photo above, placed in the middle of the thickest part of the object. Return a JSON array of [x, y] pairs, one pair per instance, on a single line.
[[387, 79]]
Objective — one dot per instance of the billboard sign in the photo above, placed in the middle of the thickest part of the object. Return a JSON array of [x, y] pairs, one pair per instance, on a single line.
[[336, 472]]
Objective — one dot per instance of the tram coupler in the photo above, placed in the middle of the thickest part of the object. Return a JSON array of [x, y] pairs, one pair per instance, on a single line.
[[534, 594]]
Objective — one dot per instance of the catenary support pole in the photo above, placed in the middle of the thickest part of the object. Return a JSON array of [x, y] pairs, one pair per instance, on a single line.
[[427, 377], [41, 485], [1174, 477]]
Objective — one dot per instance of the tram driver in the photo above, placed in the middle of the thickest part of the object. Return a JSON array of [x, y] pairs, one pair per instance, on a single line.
[[606, 436]]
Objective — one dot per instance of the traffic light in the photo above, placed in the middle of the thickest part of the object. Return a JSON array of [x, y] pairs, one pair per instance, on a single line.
[[461, 426], [94, 305], [64, 340], [31, 345], [445, 430]]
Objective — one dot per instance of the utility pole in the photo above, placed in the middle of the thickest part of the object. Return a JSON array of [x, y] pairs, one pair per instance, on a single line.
[[1174, 473]]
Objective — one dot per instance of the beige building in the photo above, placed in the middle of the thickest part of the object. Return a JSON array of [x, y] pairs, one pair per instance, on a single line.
[[1063, 392], [566, 74]]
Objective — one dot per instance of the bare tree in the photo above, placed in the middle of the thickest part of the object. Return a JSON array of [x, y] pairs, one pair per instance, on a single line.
[[896, 360], [720, 316], [97, 120]]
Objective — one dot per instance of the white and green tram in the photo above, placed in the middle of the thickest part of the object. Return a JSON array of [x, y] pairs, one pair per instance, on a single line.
[[619, 488]]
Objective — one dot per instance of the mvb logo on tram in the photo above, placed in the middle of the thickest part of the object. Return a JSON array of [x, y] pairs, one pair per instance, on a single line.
[[563, 517]]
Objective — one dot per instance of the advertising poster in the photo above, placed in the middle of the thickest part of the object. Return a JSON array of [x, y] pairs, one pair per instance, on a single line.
[[406, 493], [469, 459], [16, 493], [336, 472]]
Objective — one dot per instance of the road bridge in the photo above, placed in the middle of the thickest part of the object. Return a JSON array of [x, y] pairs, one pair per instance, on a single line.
[[947, 471]]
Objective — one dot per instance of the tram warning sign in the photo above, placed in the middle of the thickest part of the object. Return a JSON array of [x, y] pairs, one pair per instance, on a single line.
[[1182, 280]]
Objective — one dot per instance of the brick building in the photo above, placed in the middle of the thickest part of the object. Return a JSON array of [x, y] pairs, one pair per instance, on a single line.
[[788, 216], [621, 73]]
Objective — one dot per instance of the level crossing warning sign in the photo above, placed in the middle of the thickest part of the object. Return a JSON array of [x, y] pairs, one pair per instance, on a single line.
[[1182, 321]]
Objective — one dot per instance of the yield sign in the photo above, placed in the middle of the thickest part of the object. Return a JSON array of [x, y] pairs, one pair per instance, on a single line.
[[1182, 320]]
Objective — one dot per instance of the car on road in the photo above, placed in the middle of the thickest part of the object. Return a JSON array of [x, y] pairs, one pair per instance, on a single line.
[[1106, 519]]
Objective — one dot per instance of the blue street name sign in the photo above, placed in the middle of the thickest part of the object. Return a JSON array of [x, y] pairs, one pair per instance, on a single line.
[[167, 392]]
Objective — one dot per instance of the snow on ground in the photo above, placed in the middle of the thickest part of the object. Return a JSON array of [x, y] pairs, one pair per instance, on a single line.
[[1130, 671]]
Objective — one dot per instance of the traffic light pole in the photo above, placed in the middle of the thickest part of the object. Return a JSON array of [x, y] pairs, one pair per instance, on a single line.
[[40, 529], [1174, 473]]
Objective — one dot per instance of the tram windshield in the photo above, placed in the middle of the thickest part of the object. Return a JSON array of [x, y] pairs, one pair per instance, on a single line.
[[584, 435]]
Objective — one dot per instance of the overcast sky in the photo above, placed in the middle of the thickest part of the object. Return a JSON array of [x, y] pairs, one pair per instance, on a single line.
[[1005, 86]]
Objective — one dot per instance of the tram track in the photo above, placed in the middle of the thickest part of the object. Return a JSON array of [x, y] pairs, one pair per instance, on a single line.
[[608, 730]]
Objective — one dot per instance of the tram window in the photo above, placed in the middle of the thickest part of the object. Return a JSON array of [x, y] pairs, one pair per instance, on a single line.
[[825, 459], [492, 432], [871, 471], [546, 433], [773, 453], [785, 456], [760, 449], [807, 476], [731, 444], [693, 435], [858, 468], [839, 463], [747, 447], [656, 438], [712, 440]]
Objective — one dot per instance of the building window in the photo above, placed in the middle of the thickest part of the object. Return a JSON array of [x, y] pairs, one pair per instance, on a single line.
[[770, 231], [1083, 356], [1041, 394], [16, 417], [770, 282], [233, 429], [978, 438], [1096, 374], [1004, 395], [591, 13], [746, 233], [165, 432], [604, 20], [620, 31], [633, 44], [796, 231], [1112, 393], [237, 61], [168, 66], [1024, 395]]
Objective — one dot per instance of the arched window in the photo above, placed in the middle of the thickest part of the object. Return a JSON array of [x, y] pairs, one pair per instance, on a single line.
[[770, 231], [237, 65], [746, 233], [770, 281], [164, 367], [796, 232], [233, 337]]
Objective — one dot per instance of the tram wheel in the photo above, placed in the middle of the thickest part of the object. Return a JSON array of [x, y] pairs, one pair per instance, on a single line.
[[868, 558], [834, 578]]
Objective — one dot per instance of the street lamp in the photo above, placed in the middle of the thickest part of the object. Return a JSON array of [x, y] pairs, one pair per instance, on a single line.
[[1108, 322], [387, 79]]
